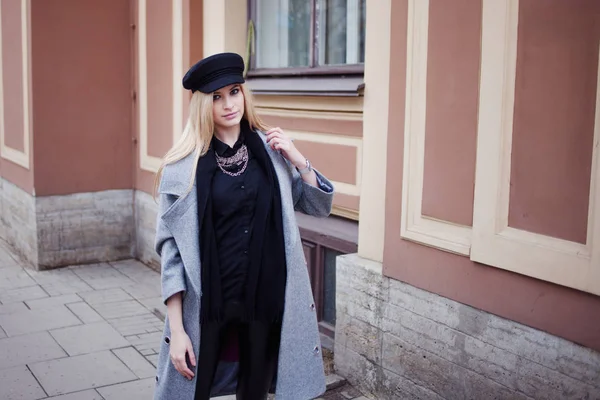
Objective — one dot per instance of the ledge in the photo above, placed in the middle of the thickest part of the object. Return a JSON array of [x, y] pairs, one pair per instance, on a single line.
[[333, 232], [351, 86]]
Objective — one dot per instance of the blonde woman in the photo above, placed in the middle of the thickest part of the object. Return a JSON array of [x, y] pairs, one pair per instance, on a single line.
[[241, 317]]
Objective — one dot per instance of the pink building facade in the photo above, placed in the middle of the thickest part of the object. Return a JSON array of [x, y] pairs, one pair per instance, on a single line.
[[462, 257]]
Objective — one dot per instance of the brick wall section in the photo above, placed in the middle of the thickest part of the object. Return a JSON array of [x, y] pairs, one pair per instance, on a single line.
[[146, 209], [84, 228], [17, 220], [396, 341]]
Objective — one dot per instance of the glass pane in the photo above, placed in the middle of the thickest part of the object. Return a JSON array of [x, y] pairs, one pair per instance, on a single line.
[[329, 286], [282, 33], [341, 31]]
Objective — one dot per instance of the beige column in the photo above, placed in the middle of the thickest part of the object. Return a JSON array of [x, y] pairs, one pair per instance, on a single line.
[[375, 121], [225, 25]]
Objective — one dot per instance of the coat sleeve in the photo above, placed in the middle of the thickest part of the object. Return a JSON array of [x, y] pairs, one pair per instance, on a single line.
[[311, 200], [172, 272]]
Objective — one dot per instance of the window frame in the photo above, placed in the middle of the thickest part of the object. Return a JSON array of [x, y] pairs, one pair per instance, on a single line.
[[313, 69]]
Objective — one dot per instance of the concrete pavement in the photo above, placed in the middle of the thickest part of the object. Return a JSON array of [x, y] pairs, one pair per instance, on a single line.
[[87, 332]]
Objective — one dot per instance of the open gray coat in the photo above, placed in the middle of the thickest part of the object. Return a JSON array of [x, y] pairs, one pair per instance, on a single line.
[[300, 371]]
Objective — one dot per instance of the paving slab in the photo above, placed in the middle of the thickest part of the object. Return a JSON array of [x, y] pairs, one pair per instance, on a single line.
[[146, 341], [29, 321], [153, 359], [12, 308], [84, 395], [51, 302], [137, 390], [84, 312], [141, 291], [55, 276], [137, 271], [26, 349], [138, 324], [13, 278], [154, 304], [22, 294], [136, 362], [120, 309], [59, 281], [95, 297], [78, 373], [102, 276], [90, 338], [6, 258], [19, 384]]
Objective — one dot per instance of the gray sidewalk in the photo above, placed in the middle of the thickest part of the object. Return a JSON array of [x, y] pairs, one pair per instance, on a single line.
[[87, 332]]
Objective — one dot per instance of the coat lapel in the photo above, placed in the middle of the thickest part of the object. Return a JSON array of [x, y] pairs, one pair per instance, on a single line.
[[182, 217]]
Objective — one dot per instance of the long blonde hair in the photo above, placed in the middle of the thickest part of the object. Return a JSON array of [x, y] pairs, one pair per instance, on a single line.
[[199, 130]]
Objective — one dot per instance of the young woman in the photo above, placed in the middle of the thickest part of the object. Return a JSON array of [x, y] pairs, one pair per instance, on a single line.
[[241, 317]]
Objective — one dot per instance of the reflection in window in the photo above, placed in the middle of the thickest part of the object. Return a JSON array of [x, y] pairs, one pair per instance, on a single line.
[[284, 29]]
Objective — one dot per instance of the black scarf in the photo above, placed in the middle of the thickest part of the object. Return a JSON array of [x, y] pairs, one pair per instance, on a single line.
[[266, 277]]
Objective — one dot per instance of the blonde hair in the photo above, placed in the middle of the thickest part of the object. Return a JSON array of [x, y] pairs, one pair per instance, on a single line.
[[199, 130]]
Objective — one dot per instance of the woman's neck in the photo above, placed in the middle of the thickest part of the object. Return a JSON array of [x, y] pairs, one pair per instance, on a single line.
[[228, 135]]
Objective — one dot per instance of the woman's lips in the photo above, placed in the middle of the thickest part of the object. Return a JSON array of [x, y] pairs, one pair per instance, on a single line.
[[230, 115]]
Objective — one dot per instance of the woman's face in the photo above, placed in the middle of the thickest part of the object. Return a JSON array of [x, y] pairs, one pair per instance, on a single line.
[[228, 107]]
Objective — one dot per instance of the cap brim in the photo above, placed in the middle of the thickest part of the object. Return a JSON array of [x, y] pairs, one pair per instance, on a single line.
[[223, 81]]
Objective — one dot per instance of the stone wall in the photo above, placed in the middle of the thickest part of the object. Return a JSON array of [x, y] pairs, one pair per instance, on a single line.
[[55, 231], [17, 220], [146, 209], [396, 341], [84, 228]]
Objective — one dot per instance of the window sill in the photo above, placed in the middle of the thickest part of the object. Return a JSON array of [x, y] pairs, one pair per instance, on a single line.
[[332, 232], [349, 86]]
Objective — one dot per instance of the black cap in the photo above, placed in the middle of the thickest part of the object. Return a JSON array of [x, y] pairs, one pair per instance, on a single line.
[[214, 72]]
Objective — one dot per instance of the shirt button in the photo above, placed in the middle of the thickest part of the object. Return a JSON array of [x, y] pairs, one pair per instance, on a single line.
[[245, 251], [316, 350], [245, 230], [243, 187]]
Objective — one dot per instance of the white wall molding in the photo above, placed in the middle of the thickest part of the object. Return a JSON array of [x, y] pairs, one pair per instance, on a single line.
[[147, 162], [340, 187], [16, 156], [416, 227], [178, 91], [494, 243]]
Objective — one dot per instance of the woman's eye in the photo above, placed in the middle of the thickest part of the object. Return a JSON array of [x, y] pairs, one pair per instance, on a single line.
[[216, 97], [235, 91]]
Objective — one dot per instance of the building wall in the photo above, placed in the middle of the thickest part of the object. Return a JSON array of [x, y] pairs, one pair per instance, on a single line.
[[16, 159], [81, 96], [488, 232], [396, 341], [546, 306], [168, 39], [329, 133]]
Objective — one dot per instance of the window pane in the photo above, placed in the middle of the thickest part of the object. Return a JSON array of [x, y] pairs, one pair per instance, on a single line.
[[282, 33], [341, 31], [329, 286]]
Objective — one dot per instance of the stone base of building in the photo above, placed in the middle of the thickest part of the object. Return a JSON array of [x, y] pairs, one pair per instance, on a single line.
[[55, 231], [17, 220], [395, 341], [146, 209]]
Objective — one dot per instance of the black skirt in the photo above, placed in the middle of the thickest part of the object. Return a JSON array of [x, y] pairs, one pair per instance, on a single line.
[[237, 357]]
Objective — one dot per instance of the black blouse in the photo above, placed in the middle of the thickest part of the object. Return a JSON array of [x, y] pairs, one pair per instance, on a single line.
[[234, 200]]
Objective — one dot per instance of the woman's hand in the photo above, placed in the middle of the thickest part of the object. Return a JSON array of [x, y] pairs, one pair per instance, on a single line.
[[179, 346], [280, 141]]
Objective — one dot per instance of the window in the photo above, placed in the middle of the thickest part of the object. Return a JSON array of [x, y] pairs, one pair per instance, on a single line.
[[308, 36], [323, 239]]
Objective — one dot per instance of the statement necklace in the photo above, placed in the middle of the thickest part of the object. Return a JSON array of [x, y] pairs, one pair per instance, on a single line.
[[240, 158]]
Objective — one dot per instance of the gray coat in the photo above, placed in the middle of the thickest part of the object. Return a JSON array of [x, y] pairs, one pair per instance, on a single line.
[[300, 371]]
